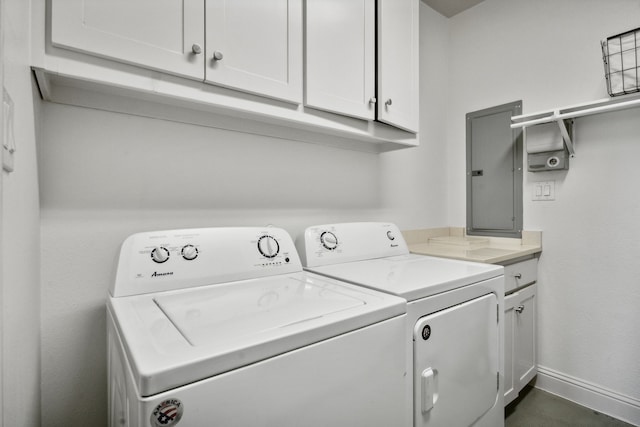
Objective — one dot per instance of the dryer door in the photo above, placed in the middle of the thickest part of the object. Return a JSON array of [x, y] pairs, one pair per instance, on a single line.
[[456, 360]]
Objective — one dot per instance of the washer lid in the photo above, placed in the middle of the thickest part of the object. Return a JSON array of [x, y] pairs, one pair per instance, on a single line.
[[223, 314], [179, 337], [411, 276]]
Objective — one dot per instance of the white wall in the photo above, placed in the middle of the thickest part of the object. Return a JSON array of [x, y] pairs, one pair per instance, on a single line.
[[20, 234], [104, 176], [547, 53], [414, 183]]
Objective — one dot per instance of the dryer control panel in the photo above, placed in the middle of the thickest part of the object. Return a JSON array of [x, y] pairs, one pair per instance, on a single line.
[[348, 242], [177, 259]]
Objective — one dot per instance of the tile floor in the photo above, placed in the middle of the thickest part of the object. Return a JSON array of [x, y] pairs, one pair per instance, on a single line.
[[537, 408]]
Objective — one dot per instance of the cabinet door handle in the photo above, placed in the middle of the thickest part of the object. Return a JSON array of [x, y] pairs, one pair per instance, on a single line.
[[519, 309], [389, 102], [372, 100], [217, 55], [196, 49], [518, 275]]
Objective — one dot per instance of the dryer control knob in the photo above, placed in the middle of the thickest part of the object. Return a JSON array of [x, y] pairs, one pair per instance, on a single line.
[[189, 252], [268, 246], [390, 235], [329, 240], [160, 254]]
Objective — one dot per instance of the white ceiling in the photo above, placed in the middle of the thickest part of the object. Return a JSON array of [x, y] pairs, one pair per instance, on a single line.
[[449, 8]]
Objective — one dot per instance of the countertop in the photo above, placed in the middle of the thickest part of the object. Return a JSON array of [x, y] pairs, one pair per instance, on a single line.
[[452, 242]]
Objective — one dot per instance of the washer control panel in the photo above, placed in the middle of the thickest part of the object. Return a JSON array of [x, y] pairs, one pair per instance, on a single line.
[[178, 259]]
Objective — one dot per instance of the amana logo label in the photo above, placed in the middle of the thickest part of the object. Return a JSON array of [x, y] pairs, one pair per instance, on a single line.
[[156, 274], [167, 413]]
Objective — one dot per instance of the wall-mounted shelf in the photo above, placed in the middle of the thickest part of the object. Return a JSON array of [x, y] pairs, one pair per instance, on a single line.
[[564, 116]]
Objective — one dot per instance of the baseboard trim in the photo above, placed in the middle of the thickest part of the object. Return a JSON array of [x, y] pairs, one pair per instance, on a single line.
[[591, 395]]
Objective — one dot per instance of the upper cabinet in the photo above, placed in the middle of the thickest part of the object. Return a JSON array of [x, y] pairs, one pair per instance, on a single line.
[[340, 57], [263, 67], [342, 74], [398, 91], [256, 46], [166, 35]]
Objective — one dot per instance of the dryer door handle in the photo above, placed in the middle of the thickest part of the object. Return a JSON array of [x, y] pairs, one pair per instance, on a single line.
[[429, 393]]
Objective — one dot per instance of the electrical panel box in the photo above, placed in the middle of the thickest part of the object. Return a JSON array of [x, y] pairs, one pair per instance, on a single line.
[[548, 160]]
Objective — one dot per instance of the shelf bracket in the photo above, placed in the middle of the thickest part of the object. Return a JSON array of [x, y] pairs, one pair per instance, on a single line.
[[564, 117], [566, 130]]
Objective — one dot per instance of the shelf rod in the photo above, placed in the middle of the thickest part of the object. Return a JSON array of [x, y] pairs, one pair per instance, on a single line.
[[546, 119], [602, 109], [575, 112]]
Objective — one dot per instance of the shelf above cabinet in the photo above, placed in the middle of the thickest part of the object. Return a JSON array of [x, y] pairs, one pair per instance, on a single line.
[[100, 84], [564, 116]]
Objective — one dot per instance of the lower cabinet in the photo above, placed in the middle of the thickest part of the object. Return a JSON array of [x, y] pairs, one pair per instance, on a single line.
[[520, 340]]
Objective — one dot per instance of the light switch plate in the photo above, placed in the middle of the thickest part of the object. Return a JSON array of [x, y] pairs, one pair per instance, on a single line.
[[544, 190]]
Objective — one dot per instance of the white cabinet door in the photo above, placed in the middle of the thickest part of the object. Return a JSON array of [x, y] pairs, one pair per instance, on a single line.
[[510, 386], [398, 96], [340, 56], [255, 46], [519, 341], [160, 34], [525, 325]]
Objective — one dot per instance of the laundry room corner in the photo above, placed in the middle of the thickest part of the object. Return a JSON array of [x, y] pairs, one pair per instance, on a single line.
[[548, 54]]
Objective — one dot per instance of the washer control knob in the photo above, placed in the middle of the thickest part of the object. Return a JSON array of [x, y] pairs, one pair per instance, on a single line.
[[329, 240], [390, 235], [189, 252], [268, 246], [160, 254]]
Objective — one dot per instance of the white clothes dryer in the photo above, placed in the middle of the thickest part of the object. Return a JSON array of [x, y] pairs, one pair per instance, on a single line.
[[222, 327], [454, 335]]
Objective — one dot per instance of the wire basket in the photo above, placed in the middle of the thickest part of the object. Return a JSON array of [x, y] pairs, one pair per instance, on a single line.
[[620, 54]]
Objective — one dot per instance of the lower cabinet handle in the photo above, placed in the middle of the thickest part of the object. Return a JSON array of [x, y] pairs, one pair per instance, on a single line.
[[519, 309]]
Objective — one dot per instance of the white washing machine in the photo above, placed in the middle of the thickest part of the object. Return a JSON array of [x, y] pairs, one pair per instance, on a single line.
[[222, 327], [454, 333]]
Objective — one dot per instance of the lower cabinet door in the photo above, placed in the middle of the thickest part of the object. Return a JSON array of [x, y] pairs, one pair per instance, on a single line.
[[510, 386], [520, 364], [525, 324]]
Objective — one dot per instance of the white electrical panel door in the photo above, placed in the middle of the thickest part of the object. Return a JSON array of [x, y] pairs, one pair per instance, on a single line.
[[166, 35], [398, 97], [256, 46], [456, 363], [340, 57]]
